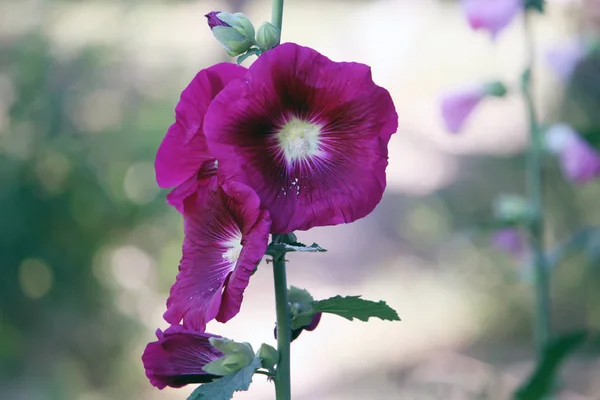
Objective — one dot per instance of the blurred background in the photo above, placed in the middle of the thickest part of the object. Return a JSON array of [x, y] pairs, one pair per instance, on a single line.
[[89, 248]]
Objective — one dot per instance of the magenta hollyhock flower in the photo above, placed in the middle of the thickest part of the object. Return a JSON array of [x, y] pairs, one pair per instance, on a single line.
[[178, 356], [226, 236], [183, 159], [563, 59], [579, 161], [510, 240], [491, 15], [309, 135]]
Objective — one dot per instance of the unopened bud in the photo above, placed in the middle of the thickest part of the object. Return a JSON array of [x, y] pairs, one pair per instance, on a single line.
[[268, 36], [235, 32]]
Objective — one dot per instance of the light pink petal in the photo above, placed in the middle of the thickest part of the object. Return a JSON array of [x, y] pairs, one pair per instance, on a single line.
[[457, 106], [563, 59], [491, 15]]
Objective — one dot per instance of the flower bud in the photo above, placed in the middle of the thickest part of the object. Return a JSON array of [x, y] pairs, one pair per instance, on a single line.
[[512, 209], [268, 355], [268, 36], [235, 32]]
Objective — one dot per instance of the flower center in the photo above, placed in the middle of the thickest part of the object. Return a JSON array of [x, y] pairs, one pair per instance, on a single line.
[[299, 139], [234, 248]]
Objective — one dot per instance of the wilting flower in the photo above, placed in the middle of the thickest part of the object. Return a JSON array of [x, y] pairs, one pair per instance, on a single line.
[[183, 159], [510, 240], [563, 59], [309, 135], [310, 327], [226, 235], [178, 356], [235, 32], [491, 15], [580, 162], [457, 105]]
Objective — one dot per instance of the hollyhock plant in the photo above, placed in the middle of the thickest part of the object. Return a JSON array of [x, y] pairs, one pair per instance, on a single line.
[[183, 160], [579, 161], [457, 105], [491, 15], [309, 135], [178, 356], [226, 236]]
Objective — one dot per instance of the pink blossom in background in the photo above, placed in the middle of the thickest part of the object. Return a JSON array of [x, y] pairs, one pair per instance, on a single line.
[[178, 356], [510, 240], [457, 106], [309, 135], [491, 15], [563, 59], [580, 162], [226, 236], [183, 159]]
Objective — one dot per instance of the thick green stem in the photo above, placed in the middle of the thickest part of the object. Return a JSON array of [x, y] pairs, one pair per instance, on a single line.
[[535, 188], [277, 13], [284, 329]]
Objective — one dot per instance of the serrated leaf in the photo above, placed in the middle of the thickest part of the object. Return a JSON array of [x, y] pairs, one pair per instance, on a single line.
[[351, 307], [541, 382], [224, 388]]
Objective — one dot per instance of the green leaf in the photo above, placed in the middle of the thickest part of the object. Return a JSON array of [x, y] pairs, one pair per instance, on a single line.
[[224, 388], [541, 382], [354, 307]]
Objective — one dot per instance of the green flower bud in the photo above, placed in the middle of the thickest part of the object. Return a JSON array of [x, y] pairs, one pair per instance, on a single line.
[[512, 209], [495, 89], [268, 36], [237, 356], [235, 32], [268, 355]]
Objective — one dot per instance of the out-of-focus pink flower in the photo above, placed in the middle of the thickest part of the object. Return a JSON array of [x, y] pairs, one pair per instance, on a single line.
[[308, 134], [178, 356], [580, 162], [563, 59], [226, 236], [183, 159], [491, 15], [457, 105], [510, 240]]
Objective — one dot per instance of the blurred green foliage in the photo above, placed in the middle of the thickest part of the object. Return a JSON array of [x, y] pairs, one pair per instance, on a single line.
[[69, 187]]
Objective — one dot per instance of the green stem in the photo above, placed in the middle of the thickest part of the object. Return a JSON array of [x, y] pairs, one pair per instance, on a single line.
[[277, 13], [284, 329], [535, 189]]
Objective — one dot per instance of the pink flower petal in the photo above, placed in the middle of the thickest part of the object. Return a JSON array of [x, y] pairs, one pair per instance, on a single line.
[[563, 59], [339, 182], [458, 105], [178, 356], [580, 161], [491, 15], [183, 150], [226, 235]]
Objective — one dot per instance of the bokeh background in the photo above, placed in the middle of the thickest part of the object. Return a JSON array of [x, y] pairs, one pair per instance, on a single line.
[[89, 248]]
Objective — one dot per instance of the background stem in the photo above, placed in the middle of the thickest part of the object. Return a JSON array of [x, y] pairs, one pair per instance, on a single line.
[[284, 329], [535, 192]]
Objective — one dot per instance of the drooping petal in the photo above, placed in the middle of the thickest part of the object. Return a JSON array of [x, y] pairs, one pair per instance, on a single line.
[[457, 106], [563, 59], [580, 162], [178, 356], [183, 151], [226, 235], [491, 15], [309, 135]]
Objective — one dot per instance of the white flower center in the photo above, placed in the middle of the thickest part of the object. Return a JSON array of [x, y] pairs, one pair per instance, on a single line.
[[299, 139], [234, 248]]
